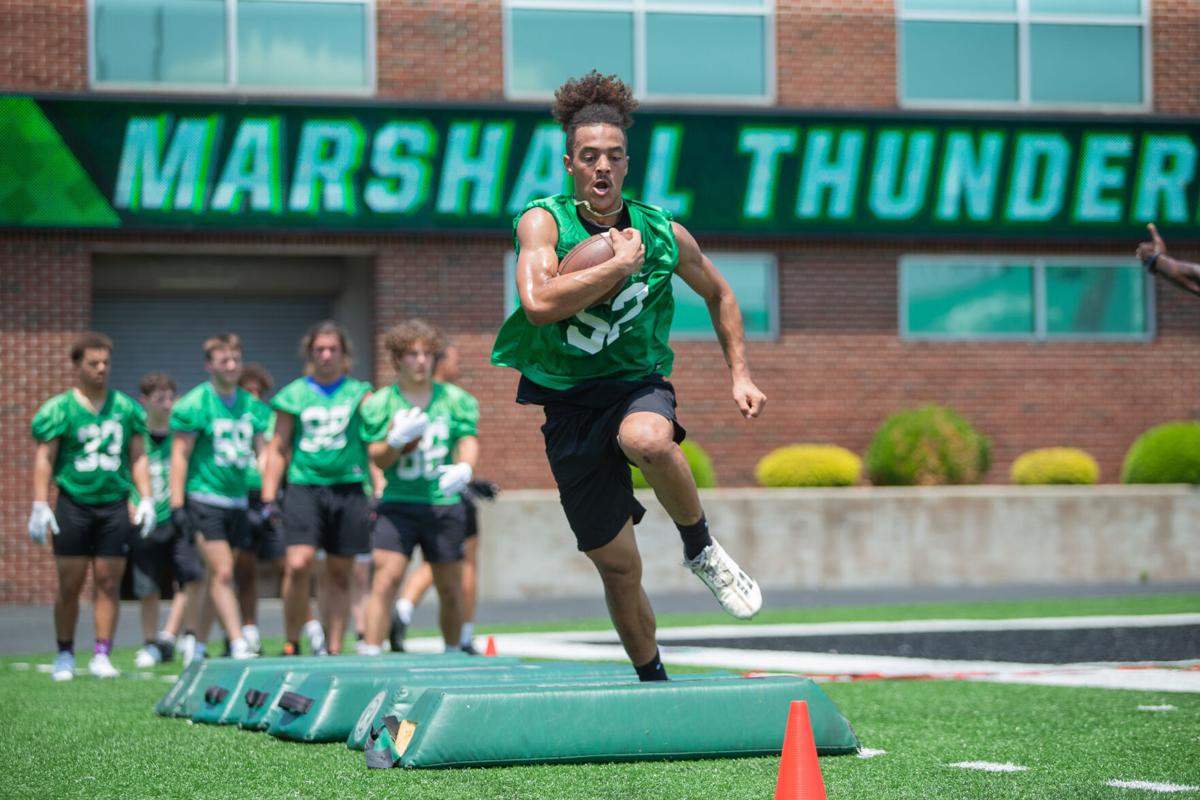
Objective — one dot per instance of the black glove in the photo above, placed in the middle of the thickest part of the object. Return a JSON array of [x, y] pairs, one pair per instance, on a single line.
[[484, 490], [181, 520], [269, 515]]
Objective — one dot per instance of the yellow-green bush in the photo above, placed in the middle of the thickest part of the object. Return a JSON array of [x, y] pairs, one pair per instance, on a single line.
[[1167, 453], [698, 460], [809, 465], [1054, 465], [927, 446]]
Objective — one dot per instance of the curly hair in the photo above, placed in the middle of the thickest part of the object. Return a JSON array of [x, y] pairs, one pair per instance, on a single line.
[[89, 341], [594, 99], [404, 335], [256, 373]]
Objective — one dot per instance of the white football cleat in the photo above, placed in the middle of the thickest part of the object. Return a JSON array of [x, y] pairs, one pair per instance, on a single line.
[[736, 591], [101, 667], [147, 657], [239, 649], [187, 649], [64, 666], [316, 638], [253, 639]]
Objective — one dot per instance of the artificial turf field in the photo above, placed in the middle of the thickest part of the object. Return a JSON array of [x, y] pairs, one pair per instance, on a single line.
[[99, 739]]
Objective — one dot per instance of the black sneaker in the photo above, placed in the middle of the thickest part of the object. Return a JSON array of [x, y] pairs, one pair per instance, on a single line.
[[469, 649], [397, 633]]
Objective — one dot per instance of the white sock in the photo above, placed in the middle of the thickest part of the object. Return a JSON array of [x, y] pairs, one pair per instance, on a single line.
[[451, 648], [405, 608], [468, 633], [370, 649], [250, 632], [166, 636]]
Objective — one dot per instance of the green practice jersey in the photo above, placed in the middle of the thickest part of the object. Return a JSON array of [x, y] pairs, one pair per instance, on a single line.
[[327, 443], [224, 445], [158, 455], [453, 415], [626, 338], [93, 448]]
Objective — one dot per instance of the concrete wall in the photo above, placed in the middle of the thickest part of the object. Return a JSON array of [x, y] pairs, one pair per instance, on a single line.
[[865, 537]]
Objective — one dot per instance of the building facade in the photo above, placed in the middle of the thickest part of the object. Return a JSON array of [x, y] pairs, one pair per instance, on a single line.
[[916, 202]]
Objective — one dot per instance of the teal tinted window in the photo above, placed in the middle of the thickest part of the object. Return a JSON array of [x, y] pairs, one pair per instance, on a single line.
[[302, 44], [550, 46], [1085, 53], [958, 5], [1066, 64], [316, 45], [1086, 7], [1095, 300], [665, 50], [968, 300], [704, 54], [160, 41], [959, 61], [753, 280]]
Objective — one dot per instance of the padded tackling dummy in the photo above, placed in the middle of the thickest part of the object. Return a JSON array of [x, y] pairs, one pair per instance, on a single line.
[[258, 706], [399, 701], [326, 707], [216, 677], [724, 717]]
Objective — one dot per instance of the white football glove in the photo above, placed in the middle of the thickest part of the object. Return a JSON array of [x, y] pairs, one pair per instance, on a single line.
[[40, 519], [455, 478], [407, 425], [146, 516]]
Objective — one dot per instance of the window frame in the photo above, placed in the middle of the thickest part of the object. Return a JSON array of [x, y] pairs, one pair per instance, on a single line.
[[230, 85], [1038, 264], [1024, 18], [639, 9], [512, 302]]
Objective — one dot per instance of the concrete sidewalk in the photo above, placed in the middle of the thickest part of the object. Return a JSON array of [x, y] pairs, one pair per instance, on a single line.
[[29, 629]]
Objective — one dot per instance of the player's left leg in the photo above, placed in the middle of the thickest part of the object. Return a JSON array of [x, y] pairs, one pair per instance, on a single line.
[[648, 440], [471, 552], [389, 571], [106, 578], [447, 578], [336, 580], [620, 566]]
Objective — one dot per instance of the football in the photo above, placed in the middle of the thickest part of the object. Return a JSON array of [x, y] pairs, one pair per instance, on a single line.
[[588, 253]]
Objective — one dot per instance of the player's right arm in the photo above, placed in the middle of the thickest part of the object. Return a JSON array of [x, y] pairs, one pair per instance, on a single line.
[[43, 469], [279, 451], [549, 297], [1153, 255], [182, 443]]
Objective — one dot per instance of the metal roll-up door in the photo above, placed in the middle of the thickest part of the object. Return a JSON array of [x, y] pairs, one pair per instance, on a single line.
[[166, 333]]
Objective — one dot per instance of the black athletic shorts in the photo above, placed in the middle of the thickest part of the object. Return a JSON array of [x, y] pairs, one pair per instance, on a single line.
[[333, 518], [440, 530], [590, 469], [149, 559], [472, 512], [220, 524], [91, 530], [268, 541]]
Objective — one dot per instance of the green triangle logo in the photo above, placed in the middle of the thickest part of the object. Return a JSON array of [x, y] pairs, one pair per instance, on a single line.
[[41, 181]]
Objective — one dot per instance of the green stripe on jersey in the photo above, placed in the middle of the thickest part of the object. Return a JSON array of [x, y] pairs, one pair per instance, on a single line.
[[93, 447], [327, 443], [224, 439], [453, 415]]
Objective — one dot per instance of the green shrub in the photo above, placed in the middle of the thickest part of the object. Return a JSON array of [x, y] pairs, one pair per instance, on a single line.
[[698, 460], [927, 446], [1167, 453], [1054, 465], [809, 465]]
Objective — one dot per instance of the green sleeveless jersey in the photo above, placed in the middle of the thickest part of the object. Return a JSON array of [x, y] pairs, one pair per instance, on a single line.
[[224, 442], [625, 338], [327, 444], [93, 448], [453, 415], [158, 455]]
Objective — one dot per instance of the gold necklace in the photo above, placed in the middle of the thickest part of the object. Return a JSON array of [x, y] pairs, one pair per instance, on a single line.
[[588, 207]]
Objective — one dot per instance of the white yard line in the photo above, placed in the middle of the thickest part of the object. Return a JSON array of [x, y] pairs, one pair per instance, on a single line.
[[989, 766], [1151, 786], [1157, 708]]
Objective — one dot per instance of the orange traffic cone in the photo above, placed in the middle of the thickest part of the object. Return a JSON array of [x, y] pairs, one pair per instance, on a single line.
[[799, 772], [490, 650]]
